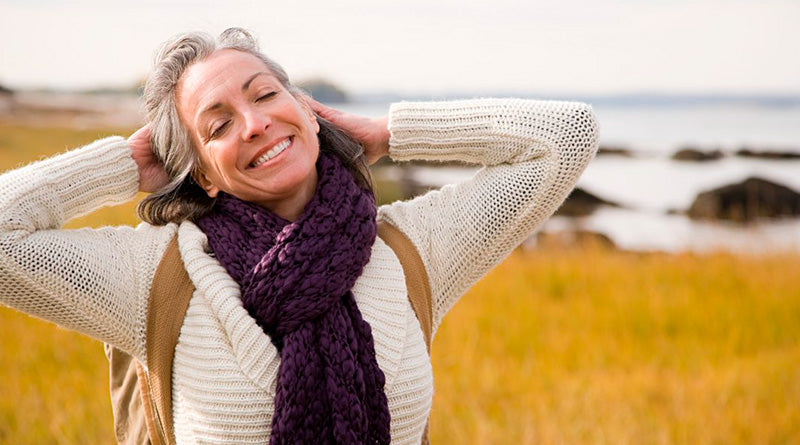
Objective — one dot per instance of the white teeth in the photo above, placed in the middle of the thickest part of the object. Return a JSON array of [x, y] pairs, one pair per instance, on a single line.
[[275, 151]]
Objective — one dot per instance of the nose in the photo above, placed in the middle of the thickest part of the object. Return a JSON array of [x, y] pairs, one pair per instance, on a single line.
[[255, 124]]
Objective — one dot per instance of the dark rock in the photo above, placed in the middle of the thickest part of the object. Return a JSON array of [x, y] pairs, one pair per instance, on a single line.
[[675, 212], [614, 151], [695, 155], [768, 154], [573, 239], [746, 201], [582, 203]]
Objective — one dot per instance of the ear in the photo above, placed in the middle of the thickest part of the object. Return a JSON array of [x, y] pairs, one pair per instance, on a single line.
[[307, 109], [202, 180]]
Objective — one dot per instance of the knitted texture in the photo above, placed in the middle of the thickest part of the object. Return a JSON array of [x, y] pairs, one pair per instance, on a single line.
[[225, 370], [296, 280], [533, 153]]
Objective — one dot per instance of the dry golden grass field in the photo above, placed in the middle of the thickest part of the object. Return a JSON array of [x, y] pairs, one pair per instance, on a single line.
[[577, 346]]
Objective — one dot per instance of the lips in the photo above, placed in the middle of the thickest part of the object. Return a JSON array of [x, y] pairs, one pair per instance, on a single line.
[[271, 151]]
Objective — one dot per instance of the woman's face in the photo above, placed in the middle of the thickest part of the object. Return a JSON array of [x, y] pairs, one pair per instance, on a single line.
[[254, 139]]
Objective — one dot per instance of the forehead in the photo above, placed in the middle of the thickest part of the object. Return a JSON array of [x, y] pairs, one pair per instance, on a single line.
[[212, 79], [229, 62]]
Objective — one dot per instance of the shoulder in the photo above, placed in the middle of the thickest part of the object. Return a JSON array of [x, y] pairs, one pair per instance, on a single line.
[[157, 234], [151, 242]]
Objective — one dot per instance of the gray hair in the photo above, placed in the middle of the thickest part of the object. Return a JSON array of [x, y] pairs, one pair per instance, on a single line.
[[183, 199]]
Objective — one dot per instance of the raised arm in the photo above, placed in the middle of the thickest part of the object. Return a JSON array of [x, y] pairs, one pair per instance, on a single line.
[[533, 153], [94, 281]]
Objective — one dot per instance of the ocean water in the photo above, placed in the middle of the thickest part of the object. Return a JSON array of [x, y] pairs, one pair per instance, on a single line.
[[650, 184], [663, 129]]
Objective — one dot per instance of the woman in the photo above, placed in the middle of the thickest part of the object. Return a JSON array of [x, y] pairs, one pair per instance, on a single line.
[[299, 329]]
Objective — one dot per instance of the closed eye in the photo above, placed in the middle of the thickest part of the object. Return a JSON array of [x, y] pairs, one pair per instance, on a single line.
[[218, 131], [266, 96]]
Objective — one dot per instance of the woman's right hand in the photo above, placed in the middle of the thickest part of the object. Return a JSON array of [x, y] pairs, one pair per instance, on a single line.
[[152, 175]]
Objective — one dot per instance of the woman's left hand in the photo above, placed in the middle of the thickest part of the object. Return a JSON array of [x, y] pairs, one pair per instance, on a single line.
[[373, 134]]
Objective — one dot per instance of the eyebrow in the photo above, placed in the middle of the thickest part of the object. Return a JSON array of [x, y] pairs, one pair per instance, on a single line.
[[245, 86]]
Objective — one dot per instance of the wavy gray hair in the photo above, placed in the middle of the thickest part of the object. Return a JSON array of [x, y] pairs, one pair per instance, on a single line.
[[183, 199]]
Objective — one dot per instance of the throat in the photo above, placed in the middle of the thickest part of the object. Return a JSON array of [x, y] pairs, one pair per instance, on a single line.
[[293, 206]]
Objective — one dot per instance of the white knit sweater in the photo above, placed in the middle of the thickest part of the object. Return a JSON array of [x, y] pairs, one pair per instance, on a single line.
[[97, 281]]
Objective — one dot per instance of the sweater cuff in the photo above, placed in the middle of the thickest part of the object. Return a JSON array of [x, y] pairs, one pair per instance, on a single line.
[[461, 130]]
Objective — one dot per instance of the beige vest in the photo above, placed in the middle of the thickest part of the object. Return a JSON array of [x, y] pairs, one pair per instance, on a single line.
[[142, 399]]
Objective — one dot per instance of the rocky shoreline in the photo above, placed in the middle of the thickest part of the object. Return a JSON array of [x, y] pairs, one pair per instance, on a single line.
[[692, 153]]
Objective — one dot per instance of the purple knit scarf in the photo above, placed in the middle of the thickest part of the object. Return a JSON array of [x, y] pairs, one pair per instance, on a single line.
[[295, 279]]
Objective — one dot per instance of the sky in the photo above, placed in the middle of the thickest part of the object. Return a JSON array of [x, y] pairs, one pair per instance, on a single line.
[[428, 46]]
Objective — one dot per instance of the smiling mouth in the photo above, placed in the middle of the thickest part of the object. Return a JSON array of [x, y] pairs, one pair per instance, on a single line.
[[272, 152]]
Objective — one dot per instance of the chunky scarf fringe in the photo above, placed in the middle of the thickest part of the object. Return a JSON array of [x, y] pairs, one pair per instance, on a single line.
[[296, 280]]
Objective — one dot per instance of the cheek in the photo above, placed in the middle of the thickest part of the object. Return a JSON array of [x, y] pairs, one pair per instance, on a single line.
[[218, 160], [313, 149]]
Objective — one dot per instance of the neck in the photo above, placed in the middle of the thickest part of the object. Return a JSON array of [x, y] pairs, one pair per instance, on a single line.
[[291, 207]]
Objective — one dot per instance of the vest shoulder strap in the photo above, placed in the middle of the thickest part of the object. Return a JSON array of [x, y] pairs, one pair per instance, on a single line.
[[142, 399], [172, 289], [419, 289]]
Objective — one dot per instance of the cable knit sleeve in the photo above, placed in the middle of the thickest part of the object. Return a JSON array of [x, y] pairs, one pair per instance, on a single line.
[[95, 281], [533, 153]]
